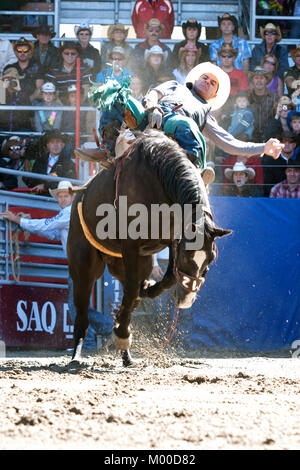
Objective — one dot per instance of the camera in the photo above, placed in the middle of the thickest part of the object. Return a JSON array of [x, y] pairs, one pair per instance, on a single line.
[[285, 107], [13, 83]]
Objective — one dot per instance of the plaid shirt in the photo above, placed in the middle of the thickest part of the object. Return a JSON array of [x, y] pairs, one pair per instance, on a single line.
[[282, 190], [244, 51]]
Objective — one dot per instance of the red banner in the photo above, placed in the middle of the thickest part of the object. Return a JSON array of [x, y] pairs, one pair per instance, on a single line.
[[35, 317]]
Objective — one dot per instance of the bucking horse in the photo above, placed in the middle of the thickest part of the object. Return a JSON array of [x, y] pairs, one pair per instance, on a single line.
[[104, 231]]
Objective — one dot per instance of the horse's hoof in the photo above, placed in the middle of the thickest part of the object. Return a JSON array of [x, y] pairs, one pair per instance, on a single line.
[[121, 344], [127, 359]]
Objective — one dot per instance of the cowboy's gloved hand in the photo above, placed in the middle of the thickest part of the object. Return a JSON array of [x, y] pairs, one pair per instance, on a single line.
[[155, 117]]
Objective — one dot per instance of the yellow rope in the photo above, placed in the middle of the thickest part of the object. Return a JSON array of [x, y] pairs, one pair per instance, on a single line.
[[90, 237]]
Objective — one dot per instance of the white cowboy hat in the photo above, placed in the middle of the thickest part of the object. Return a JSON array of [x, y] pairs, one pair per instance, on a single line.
[[48, 87], [239, 166], [222, 77], [62, 186], [84, 25], [156, 50]]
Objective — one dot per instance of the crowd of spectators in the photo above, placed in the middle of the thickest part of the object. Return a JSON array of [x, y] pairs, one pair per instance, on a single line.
[[264, 101]]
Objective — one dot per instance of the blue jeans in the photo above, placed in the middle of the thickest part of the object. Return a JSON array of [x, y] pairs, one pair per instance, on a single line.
[[99, 324], [186, 133]]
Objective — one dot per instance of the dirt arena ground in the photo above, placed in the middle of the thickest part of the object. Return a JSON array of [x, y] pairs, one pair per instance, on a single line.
[[171, 400]]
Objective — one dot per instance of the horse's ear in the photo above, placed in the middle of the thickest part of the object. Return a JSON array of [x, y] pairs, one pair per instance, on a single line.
[[218, 232]]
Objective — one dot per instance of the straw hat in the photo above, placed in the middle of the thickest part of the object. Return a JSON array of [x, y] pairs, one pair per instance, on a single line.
[[188, 48], [227, 48], [154, 23], [270, 27], [116, 27], [259, 70], [23, 42], [222, 77], [84, 25], [11, 72], [156, 50], [239, 166], [62, 186]]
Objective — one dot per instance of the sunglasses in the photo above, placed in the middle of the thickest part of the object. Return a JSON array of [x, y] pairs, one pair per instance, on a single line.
[[229, 56], [15, 147], [70, 53], [118, 59], [24, 51], [270, 33], [269, 62]]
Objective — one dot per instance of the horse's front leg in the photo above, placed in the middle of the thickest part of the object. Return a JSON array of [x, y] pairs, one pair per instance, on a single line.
[[156, 289], [134, 269]]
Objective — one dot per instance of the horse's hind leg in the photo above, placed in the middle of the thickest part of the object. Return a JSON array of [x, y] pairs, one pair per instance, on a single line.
[[86, 267]]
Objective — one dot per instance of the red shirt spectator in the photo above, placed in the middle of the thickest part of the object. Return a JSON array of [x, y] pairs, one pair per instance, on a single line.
[[238, 81], [144, 10]]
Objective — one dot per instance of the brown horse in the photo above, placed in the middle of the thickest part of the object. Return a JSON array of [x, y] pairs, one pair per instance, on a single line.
[[155, 172]]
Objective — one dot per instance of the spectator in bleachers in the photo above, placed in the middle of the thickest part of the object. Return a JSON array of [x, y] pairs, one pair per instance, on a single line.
[[274, 170], [294, 11], [238, 78], [270, 64], [144, 10], [154, 69], [278, 124], [46, 120], [293, 122], [188, 57], [271, 36], [65, 74], [136, 87], [52, 160], [240, 176], [289, 188], [153, 29], [251, 162], [14, 120], [26, 66], [292, 74], [262, 101], [191, 30], [7, 55], [117, 70], [87, 118], [89, 55], [228, 28], [117, 34], [13, 158], [45, 54], [242, 119]]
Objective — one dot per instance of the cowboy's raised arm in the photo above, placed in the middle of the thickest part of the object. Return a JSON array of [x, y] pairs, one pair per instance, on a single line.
[[233, 146]]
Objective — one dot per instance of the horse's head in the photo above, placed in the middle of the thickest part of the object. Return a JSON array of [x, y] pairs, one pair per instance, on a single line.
[[192, 265]]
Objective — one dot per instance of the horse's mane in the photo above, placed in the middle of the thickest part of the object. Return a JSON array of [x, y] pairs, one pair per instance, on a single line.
[[175, 172]]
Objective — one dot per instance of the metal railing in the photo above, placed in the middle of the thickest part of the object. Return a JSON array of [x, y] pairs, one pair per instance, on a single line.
[[40, 274]]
